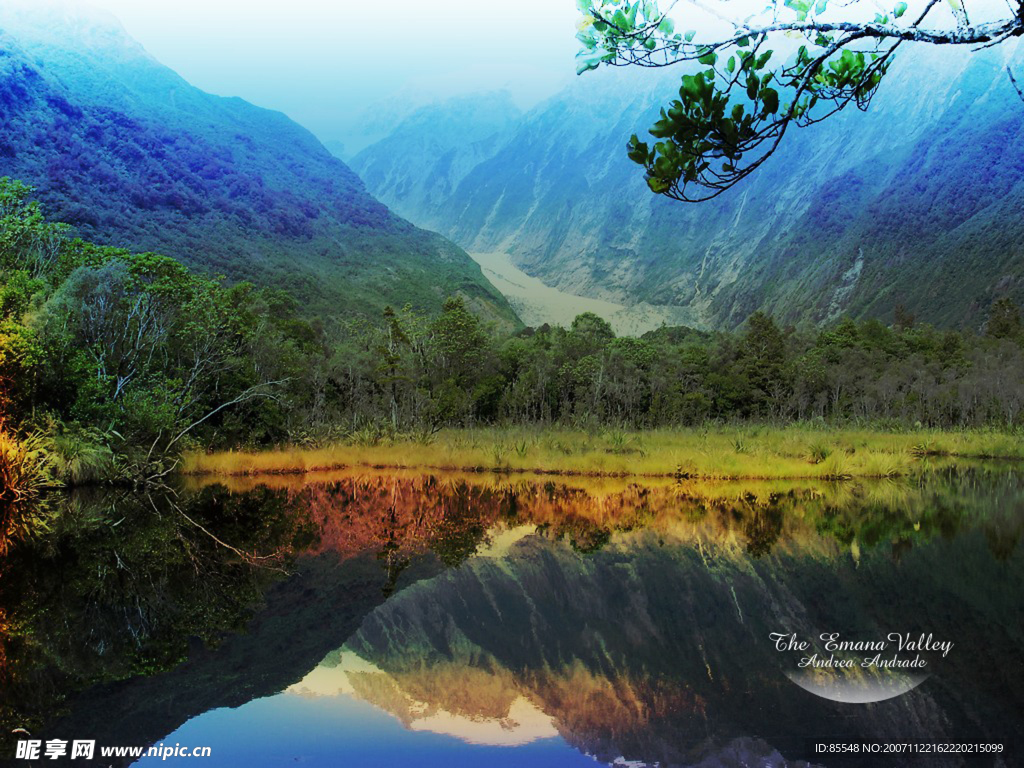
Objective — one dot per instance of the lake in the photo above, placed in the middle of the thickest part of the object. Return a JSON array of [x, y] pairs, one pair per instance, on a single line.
[[402, 619]]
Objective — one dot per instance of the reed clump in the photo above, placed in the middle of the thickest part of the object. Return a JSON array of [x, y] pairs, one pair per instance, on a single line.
[[25, 473]]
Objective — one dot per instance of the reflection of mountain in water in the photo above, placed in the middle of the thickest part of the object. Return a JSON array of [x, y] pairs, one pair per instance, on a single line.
[[629, 618], [492, 712], [659, 652]]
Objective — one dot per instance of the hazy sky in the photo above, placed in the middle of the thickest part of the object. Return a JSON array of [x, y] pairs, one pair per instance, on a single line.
[[337, 66], [350, 69]]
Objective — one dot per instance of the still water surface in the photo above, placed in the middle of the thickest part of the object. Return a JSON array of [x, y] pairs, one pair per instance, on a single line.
[[410, 620]]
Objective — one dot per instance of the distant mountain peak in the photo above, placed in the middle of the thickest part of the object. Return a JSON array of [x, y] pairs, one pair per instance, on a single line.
[[67, 24]]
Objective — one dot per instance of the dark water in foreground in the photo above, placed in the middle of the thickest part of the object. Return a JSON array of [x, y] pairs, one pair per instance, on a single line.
[[403, 620]]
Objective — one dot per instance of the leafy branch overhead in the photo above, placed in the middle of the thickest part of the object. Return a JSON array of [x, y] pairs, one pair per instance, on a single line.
[[792, 62]]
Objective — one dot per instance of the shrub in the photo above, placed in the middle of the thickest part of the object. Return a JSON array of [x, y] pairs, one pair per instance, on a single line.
[[25, 472]]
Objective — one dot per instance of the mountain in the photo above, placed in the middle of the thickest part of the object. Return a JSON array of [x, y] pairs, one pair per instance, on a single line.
[[421, 163], [915, 202], [130, 154], [650, 652]]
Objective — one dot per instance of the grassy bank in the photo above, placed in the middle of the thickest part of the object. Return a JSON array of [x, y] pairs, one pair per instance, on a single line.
[[723, 452]]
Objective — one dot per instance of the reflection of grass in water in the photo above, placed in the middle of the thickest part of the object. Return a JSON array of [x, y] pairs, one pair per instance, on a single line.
[[743, 518], [726, 452]]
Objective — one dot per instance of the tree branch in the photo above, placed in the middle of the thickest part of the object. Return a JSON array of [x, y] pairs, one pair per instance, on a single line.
[[985, 33], [1013, 81], [250, 394], [729, 119]]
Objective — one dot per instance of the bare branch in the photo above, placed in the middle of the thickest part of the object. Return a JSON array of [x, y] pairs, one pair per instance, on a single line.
[[1013, 81], [251, 558], [254, 392]]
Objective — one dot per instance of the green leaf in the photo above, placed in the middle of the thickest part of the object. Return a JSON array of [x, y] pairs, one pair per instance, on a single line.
[[639, 152], [588, 60], [658, 186], [900, 9], [800, 6], [587, 39]]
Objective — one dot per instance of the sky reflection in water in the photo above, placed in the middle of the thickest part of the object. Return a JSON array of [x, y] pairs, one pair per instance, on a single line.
[[505, 621]]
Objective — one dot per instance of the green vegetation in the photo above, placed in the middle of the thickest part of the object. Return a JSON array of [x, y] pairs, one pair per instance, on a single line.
[[732, 116], [24, 474], [724, 452], [113, 363]]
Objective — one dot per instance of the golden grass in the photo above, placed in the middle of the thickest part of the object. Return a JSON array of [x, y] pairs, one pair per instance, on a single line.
[[24, 475], [24, 470], [595, 486], [720, 453]]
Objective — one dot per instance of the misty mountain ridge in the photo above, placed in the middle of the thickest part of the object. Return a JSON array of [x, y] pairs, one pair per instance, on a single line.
[[912, 203], [130, 154]]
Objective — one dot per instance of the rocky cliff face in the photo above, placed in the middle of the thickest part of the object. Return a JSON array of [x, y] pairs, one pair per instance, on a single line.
[[910, 203], [420, 165]]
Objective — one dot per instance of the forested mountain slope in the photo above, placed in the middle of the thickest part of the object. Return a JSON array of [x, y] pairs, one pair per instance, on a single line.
[[915, 203], [130, 154]]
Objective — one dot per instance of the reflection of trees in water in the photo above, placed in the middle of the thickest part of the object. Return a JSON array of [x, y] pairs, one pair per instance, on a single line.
[[123, 584], [625, 669], [452, 517], [763, 528]]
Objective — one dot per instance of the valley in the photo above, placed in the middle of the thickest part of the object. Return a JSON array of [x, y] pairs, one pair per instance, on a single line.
[[910, 205], [536, 303], [468, 450]]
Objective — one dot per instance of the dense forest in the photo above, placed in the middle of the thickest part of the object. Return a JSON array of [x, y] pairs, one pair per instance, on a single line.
[[112, 363]]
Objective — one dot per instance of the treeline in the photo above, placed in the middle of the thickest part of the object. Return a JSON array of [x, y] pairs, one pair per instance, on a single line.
[[429, 374], [117, 361]]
